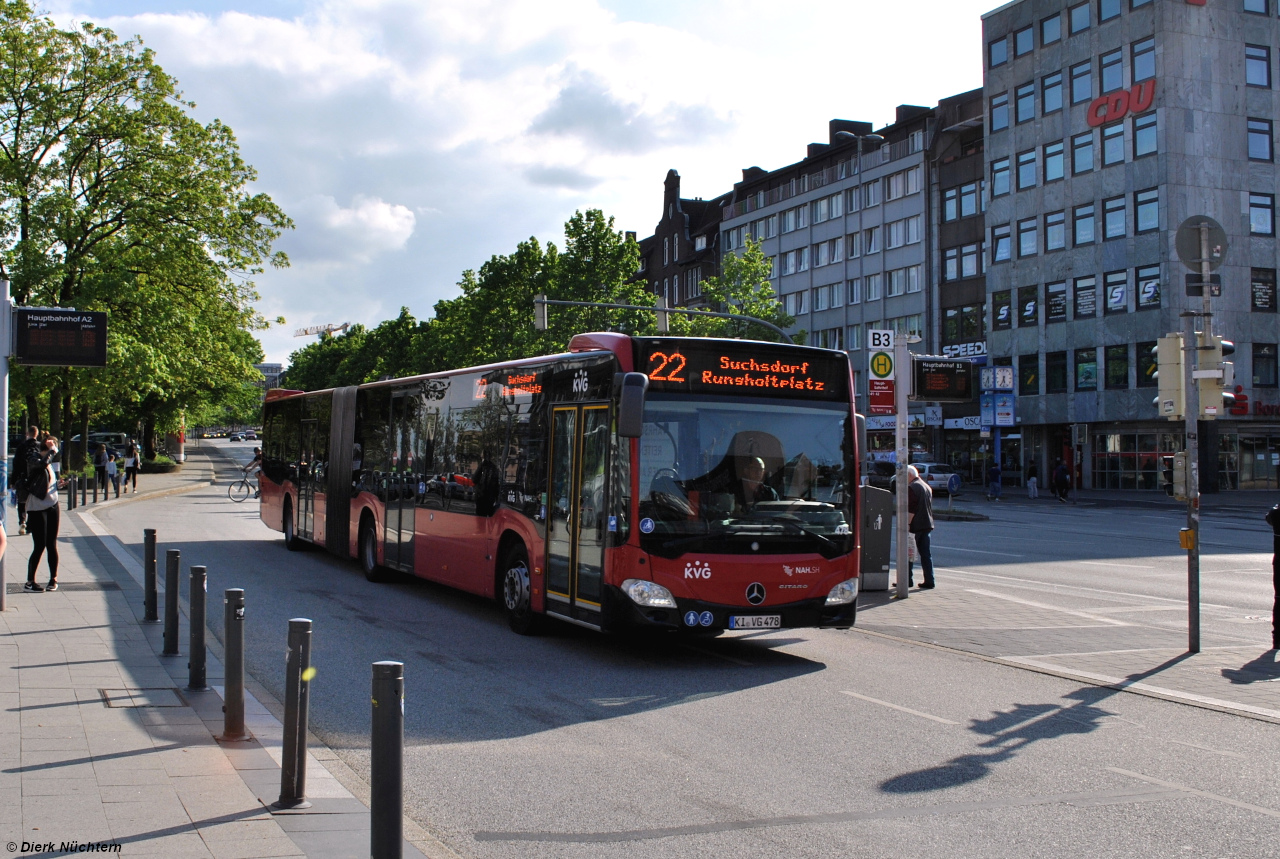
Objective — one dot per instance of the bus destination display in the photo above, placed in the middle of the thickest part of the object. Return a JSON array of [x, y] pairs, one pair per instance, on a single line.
[[60, 338], [729, 367], [942, 380]]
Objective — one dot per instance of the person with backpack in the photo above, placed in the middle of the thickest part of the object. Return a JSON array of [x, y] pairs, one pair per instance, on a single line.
[[24, 450], [42, 515]]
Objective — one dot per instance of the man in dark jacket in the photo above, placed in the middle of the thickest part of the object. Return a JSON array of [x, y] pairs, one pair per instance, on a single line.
[[920, 524], [26, 448]]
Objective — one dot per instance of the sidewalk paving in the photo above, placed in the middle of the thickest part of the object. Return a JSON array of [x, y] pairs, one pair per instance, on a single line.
[[106, 745]]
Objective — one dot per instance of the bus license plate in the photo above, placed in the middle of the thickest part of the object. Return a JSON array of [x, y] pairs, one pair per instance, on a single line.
[[756, 621]]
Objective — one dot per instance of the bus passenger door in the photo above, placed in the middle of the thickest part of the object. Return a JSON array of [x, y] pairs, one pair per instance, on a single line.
[[402, 487], [306, 524], [576, 511]]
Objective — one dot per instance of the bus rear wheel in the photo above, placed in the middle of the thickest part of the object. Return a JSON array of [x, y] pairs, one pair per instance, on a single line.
[[291, 541], [368, 545], [516, 593]]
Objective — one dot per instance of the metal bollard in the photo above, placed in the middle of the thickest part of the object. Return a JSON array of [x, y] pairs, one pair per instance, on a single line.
[[150, 583], [196, 662], [71, 492], [95, 486], [84, 489], [297, 693], [172, 568], [233, 664], [386, 762]]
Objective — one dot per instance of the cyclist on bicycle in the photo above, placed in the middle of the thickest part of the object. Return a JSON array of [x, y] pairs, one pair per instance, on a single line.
[[254, 470]]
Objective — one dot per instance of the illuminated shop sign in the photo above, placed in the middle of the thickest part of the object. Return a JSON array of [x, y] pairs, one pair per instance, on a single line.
[[751, 369], [1115, 105]]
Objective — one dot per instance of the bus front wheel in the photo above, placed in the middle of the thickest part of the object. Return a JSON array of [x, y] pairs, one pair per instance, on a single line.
[[369, 552], [516, 592]]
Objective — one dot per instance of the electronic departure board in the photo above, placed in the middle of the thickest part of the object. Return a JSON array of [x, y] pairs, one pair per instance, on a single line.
[[942, 380], [705, 366], [60, 338]]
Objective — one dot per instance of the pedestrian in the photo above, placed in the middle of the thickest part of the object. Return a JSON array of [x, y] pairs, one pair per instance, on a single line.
[[920, 524], [993, 481], [113, 472], [100, 468], [1273, 519], [1033, 489], [28, 446], [1061, 481], [42, 515], [131, 467]]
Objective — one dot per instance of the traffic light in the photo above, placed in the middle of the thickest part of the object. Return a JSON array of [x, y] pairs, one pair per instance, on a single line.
[[660, 312], [540, 312], [1173, 472], [1170, 403], [1215, 378]]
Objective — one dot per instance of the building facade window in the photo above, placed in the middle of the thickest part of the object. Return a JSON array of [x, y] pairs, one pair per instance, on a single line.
[[1055, 368], [1111, 70], [855, 290], [1113, 144], [871, 194], [1082, 218], [1265, 373], [853, 338], [961, 201], [1116, 291], [1000, 111], [1262, 290], [1001, 243], [1146, 207], [1000, 177], [1028, 306], [1262, 214], [1024, 102], [1051, 29], [1260, 146], [1024, 41], [1054, 162], [1055, 231], [1081, 82], [1108, 9], [903, 232], [1082, 153], [1113, 218], [1028, 237], [1260, 7], [1055, 301], [874, 284], [1079, 16], [1087, 369], [1029, 375], [1086, 297], [1001, 310], [1027, 169], [998, 52], [1257, 65], [1147, 364], [871, 240], [1144, 135], [1143, 60], [1148, 280], [1117, 367], [1051, 93]]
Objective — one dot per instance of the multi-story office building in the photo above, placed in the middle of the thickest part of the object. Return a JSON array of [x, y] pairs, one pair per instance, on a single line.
[[271, 374], [1110, 122], [684, 249], [846, 229]]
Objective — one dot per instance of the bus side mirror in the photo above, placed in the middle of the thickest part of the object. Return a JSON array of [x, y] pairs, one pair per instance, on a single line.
[[631, 406]]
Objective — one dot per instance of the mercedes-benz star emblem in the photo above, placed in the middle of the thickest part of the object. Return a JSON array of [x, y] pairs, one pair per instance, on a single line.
[[755, 593]]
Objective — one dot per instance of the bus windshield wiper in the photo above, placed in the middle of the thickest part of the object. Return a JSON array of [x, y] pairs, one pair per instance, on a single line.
[[791, 523]]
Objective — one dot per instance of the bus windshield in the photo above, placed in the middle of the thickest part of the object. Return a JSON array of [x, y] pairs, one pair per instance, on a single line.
[[744, 476]]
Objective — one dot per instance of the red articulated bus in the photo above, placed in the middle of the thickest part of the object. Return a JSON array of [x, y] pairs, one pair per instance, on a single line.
[[679, 483]]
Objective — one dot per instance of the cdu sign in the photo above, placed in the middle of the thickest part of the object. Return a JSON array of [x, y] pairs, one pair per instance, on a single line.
[[1114, 105]]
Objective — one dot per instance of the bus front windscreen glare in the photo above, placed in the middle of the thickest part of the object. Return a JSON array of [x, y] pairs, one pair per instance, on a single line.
[[758, 476]]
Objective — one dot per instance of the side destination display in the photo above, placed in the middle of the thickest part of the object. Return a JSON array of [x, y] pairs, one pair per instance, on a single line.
[[60, 338], [738, 367], [942, 380]]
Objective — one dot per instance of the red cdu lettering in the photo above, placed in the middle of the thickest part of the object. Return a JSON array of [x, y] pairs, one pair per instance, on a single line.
[[1113, 106], [1142, 95]]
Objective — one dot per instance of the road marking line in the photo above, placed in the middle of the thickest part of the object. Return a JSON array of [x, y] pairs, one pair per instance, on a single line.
[[1207, 749], [1270, 812], [1124, 566], [898, 708], [1086, 615], [1060, 587], [1140, 608], [978, 551]]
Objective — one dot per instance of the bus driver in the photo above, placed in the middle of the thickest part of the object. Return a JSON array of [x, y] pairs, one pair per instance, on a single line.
[[752, 487]]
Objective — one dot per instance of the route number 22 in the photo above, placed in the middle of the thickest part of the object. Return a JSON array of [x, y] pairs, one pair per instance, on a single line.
[[665, 368]]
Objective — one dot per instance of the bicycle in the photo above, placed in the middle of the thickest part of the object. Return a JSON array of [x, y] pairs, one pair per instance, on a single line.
[[240, 490]]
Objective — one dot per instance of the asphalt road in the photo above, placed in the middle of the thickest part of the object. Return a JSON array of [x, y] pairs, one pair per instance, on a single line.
[[808, 744]]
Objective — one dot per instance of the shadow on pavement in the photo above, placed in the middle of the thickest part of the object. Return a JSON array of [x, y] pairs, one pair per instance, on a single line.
[[1260, 670]]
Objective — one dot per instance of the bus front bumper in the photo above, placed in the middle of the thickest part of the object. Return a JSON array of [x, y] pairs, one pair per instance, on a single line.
[[697, 615]]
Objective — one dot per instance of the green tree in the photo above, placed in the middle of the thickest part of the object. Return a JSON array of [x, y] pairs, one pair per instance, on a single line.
[[742, 288], [113, 198]]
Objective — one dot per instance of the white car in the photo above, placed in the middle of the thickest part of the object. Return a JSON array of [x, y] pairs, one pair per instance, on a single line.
[[941, 478]]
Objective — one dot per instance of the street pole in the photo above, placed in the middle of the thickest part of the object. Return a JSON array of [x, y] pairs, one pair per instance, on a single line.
[[6, 343], [902, 378], [1191, 397]]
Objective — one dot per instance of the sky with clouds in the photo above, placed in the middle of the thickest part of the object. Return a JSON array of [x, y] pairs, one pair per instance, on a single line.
[[413, 139]]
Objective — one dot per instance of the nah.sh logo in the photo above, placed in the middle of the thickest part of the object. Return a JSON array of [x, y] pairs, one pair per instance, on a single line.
[[697, 570], [799, 571]]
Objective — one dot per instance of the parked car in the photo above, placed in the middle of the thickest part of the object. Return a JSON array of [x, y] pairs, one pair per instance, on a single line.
[[939, 477], [881, 474]]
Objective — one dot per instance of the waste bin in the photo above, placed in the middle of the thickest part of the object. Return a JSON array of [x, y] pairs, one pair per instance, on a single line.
[[878, 508]]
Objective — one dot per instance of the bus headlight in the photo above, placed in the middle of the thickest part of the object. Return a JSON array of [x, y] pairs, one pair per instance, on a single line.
[[648, 594], [843, 593]]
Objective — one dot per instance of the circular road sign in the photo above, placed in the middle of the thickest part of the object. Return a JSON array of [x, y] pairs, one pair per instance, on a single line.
[[1187, 242], [882, 365], [953, 484]]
